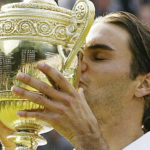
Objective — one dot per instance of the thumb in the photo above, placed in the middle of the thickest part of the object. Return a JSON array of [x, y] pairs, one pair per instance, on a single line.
[[81, 92], [5, 131]]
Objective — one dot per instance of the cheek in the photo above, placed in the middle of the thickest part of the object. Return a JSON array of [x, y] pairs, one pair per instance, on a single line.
[[108, 77], [109, 69], [109, 89]]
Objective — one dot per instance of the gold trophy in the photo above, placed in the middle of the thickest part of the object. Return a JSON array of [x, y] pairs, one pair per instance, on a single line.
[[32, 31]]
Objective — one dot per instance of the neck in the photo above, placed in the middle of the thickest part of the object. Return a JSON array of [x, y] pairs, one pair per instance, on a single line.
[[118, 136], [119, 131]]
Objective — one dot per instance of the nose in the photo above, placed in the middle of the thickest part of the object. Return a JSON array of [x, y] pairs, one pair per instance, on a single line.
[[83, 66]]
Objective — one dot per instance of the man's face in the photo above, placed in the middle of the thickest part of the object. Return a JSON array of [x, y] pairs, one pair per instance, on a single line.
[[105, 70]]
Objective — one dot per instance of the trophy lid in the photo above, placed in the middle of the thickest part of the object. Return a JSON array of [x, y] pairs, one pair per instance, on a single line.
[[45, 21], [35, 5]]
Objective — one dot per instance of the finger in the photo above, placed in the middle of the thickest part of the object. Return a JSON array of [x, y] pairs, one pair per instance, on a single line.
[[4, 128], [39, 99], [48, 117], [5, 131], [57, 77], [81, 92], [53, 83], [41, 86], [57, 121]]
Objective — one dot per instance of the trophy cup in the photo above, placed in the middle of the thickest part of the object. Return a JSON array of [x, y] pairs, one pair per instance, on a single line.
[[32, 31]]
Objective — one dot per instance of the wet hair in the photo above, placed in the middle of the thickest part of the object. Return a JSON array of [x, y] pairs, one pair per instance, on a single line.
[[139, 45]]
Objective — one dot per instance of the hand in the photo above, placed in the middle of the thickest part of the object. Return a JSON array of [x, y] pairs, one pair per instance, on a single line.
[[65, 108], [4, 132]]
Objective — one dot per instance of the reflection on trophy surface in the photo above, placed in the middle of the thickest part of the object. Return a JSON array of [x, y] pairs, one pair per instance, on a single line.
[[32, 31]]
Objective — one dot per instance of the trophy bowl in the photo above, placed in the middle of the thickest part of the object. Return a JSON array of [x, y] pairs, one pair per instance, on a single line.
[[33, 31]]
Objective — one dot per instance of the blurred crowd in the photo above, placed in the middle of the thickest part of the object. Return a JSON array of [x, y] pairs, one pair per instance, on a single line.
[[141, 8]]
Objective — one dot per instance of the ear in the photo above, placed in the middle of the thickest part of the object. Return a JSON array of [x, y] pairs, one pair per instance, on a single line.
[[143, 88]]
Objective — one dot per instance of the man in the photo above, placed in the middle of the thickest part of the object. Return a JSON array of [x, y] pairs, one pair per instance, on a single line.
[[102, 7], [107, 110], [144, 12]]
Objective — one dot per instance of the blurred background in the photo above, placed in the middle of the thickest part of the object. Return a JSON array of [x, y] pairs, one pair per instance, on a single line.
[[140, 8]]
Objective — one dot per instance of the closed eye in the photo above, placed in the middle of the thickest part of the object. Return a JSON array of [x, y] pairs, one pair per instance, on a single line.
[[99, 59]]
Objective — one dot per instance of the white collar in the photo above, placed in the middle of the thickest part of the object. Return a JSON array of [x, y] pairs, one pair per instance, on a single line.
[[142, 143]]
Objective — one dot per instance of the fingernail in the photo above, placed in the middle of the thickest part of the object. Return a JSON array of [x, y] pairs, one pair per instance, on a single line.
[[80, 89], [15, 89], [20, 75], [41, 64], [19, 113]]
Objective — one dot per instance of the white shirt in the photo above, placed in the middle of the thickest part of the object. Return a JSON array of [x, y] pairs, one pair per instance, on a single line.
[[143, 143]]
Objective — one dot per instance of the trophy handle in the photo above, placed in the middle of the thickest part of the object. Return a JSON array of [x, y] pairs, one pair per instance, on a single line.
[[84, 12]]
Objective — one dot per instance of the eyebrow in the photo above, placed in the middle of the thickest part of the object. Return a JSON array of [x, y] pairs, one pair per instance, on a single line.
[[100, 46]]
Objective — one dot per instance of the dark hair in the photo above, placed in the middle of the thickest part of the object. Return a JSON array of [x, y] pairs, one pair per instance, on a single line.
[[139, 44]]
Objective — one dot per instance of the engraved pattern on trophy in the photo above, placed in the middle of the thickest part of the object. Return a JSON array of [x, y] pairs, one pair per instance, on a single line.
[[25, 27], [35, 27], [81, 11], [7, 27]]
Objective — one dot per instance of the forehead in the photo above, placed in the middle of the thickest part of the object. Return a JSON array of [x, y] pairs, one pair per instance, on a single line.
[[114, 37], [108, 34]]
